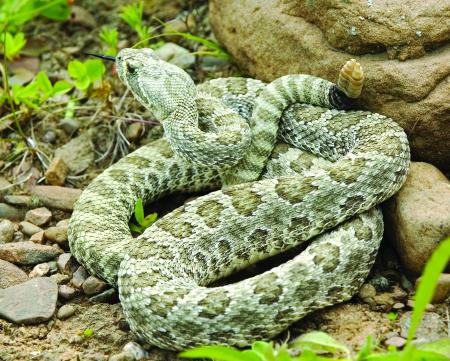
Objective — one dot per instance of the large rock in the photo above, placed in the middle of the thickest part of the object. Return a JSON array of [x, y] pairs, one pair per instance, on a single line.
[[418, 216], [404, 49], [30, 302]]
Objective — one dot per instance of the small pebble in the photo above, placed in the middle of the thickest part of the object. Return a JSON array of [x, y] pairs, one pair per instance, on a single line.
[[108, 296], [398, 306], [19, 200], [38, 237], [53, 267], [40, 270], [429, 307], [380, 283], [136, 350], [60, 279], [38, 216], [7, 229], [63, 223], [67, 292], [56, 234], [79, 276], [29, 228], [367, 291], [49, 136], [66, 263], [18, 237], [70, 125], [93, 286], [10, 212], [56, 172], [65, 311], [176, 55], [134, 131], [396, 341]]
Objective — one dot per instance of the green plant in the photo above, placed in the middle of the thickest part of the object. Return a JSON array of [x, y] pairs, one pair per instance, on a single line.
[[38, 91], [143, 222], [12, 44], [86, 73], [319, 346], [14, 13], [213, 49], [392, 316], [88, 333], [110, 37], [132, 15]]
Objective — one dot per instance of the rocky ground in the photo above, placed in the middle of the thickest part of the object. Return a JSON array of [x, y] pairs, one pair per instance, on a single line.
[[52, 309]]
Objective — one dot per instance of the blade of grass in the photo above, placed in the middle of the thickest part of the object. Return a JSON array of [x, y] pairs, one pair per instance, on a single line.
[[434, 267]]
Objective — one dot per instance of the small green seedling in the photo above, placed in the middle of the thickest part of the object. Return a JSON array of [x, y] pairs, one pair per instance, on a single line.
[[392, 316], [88, 333], [110, 36], [39, 90], [14, 13], [86, 73], [143, 222], [132, 15], [11, 45]]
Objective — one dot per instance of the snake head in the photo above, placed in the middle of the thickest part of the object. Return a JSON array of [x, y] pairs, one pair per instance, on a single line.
[[159, 86]]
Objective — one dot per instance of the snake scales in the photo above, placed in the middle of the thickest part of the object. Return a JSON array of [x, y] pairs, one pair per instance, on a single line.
[[292, 171]]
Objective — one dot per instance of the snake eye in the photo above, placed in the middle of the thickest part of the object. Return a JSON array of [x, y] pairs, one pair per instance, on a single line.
[[131, 69]]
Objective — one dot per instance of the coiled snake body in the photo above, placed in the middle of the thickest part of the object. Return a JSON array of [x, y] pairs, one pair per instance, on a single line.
[[291, 170]]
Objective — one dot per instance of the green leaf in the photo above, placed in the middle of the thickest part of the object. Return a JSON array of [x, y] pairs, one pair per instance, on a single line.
[[110, 36], [413, 355], [319, 341], [434, 267], [139, 211], [392, 316], [77, 70], [366, 349], [441, 346], [28, 95], [61, 87], [149, 220], [264, 350], [220, 353], [56, 10], [12, 44], [44, 83], [88, 332], [132, 15], [94, 69], [135, 228]]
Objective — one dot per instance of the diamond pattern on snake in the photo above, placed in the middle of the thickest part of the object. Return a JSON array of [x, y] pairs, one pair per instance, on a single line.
[[285, 165]]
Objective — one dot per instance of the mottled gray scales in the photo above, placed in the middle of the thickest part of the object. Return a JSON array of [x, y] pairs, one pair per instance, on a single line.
[[283, 173]]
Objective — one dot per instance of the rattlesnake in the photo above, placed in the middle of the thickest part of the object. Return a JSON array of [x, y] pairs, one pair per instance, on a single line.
[[319, 182]]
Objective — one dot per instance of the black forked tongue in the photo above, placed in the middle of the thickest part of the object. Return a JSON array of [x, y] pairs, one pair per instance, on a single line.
[[104, 57]]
